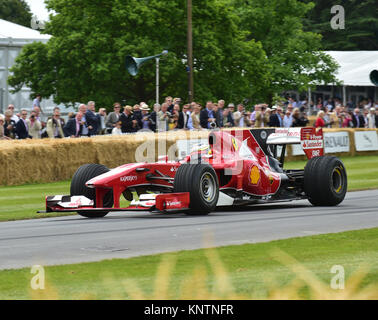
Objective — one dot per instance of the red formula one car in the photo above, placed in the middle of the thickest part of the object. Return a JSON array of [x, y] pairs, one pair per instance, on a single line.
[[240, 167]]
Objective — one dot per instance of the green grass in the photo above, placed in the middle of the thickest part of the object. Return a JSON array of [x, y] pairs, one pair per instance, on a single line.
[[22, 202], [248, 271], [362, 171]]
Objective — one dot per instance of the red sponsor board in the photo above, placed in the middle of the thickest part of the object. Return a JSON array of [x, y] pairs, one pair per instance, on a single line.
[[312, 142]]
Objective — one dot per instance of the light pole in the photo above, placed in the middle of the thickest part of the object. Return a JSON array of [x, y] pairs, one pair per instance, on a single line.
[[190, 51]]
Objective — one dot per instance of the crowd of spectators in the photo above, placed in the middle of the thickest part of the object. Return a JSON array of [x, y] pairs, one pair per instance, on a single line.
[[174, 115], [333, 114]]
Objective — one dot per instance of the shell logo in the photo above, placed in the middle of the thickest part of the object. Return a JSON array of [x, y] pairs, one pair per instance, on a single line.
[[254, 175]]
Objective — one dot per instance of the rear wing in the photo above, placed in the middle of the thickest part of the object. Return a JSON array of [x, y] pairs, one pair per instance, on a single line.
[[311, 139]]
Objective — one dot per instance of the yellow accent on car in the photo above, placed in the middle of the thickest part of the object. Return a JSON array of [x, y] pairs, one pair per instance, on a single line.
[[254, 175]]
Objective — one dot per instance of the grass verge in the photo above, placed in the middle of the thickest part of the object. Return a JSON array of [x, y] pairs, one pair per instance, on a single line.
[[22, 202], [297, 268]]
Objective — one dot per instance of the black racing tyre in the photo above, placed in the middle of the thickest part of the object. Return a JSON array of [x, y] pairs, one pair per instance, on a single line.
[[201, 181], [78, 188], [325, 181]]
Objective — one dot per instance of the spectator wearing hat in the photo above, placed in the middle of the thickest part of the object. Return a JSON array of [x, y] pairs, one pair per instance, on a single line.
[[145, 122], [288, 119], [129, 123], [275, 119]]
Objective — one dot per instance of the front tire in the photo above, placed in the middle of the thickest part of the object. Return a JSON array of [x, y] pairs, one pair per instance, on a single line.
[[325, 181], [201, 181], [78, 188]]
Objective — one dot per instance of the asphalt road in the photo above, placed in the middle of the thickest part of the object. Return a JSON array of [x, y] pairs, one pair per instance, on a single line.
[[75, 239]]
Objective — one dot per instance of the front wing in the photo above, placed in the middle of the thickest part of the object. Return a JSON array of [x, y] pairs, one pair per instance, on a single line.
[[160, 202]]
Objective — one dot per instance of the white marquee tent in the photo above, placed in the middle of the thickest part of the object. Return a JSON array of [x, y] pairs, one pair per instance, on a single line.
[[355, 66], [12, 38]]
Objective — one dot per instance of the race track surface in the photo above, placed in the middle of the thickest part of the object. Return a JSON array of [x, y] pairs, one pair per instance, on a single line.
[[75, 239]]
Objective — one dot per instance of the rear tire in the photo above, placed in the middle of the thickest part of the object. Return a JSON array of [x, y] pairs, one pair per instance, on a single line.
[[201, 181], [78, 188], [325, 181]]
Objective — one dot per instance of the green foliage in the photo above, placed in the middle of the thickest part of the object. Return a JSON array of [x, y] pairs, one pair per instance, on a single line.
[[294, 55], [237, 54], [361, 24], [16, 11]]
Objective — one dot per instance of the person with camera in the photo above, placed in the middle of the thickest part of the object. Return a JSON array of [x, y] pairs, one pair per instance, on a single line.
[[163, 117], [207, 117], [9, 125], [54, 127], [35, 126], [129, 123]]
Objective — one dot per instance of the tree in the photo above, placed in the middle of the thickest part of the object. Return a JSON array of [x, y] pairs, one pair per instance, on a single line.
[[85, 58], [361, 24], [295, 56], [16, 11]]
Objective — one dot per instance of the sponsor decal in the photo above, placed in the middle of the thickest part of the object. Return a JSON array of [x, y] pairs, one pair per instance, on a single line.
[[312, 144], [271, 179], [129, 178], [173, 203], [315, 153], [254, 175]]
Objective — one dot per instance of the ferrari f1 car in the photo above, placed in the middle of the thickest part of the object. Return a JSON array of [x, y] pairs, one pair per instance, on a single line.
[[239, 167]]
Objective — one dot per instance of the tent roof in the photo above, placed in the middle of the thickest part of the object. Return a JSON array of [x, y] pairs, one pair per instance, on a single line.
[[355, 66], [15, 31]]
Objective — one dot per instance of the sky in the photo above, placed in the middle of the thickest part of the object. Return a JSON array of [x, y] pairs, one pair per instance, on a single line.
[[38, 8]]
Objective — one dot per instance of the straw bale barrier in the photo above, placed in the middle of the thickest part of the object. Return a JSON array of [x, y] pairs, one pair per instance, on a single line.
[[49, 160]]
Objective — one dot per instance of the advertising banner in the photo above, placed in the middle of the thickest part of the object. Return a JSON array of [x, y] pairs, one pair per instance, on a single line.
[[366, 140]]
